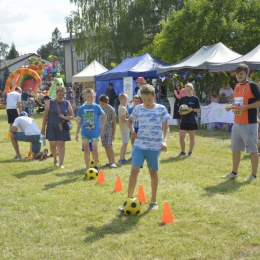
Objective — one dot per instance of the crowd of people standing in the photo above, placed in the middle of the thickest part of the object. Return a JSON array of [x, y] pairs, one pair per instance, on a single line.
[[147, 123]]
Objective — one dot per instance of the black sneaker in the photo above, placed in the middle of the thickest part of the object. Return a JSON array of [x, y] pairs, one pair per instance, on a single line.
[[181, 154], [95, 167], [190, 153], [153, 206]]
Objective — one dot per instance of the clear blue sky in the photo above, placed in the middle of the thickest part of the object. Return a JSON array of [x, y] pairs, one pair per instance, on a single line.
[[30, 23]]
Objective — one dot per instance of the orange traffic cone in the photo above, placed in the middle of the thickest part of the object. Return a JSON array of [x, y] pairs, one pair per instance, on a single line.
[[30, 155], [167, 215], [140, 196], [118, 186], [101, 178]]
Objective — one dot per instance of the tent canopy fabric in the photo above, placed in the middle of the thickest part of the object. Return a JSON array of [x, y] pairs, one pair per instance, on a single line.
[[201, 59], [87, 75], [140, 66], [252, 59]]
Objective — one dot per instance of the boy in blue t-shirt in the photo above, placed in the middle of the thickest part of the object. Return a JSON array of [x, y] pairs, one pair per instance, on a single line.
[[153, 121], [88, 120]]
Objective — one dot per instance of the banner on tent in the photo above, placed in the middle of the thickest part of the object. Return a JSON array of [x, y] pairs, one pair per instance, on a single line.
[[215, 112], [128, 88]]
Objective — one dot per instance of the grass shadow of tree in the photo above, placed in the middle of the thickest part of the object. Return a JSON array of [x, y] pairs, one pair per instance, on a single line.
[[33, 172], [120, 224], [77, 176], [228, 186]]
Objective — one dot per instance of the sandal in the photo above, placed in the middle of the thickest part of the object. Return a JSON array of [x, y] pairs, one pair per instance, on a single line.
[[44, 155]]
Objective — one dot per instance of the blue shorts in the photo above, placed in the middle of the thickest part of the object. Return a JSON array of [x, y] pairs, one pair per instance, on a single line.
[[34, 139], [91, 139], [151, 157]]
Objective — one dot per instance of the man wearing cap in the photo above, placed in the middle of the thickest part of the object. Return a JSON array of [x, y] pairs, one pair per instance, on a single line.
[[110, 92], [30, 132]]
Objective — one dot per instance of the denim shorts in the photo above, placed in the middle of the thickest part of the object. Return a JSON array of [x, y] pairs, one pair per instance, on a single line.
[[34, 139], [91, 139], [151, 157]]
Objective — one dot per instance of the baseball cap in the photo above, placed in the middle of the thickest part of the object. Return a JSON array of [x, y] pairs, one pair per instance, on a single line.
[[23, 113], [140, 80], [46, 97]]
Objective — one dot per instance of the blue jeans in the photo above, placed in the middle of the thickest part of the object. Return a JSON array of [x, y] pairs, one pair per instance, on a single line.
[[34, 139]]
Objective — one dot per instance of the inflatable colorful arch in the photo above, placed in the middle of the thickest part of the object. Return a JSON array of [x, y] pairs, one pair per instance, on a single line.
[[23, 71]]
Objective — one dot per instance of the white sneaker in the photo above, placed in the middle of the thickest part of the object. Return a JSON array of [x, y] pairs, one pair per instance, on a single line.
[[230, 175], [112, 165], [251, 177]]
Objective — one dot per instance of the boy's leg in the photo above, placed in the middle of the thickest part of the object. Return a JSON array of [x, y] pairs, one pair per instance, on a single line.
[[254, 162], [95, 151], [86, 152], [132, 180], [154, 184], [123, 151], [110, 154], [236, 160]]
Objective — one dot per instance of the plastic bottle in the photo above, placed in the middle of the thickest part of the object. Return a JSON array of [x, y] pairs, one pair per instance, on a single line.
[[43, 140]]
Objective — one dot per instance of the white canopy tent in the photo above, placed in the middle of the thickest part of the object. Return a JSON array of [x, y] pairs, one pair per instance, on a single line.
[[201, 59], [87, 75]]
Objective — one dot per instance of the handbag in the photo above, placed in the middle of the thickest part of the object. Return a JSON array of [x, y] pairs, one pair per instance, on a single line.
[[67, 124]]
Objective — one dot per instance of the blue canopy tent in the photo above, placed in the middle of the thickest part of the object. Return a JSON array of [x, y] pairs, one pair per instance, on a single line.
[[140, 66]]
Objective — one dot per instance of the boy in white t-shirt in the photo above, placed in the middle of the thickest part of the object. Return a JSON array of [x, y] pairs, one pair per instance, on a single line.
[[153, 121]]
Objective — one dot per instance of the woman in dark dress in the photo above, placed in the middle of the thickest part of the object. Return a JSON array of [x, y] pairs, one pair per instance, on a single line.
[[56, 112], [176, 114]]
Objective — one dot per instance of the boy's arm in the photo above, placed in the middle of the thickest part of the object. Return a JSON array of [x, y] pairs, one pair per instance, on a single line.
[[130, 126], [104, 119], [114, 127], [78, 120], [123, 118], [166, 131]]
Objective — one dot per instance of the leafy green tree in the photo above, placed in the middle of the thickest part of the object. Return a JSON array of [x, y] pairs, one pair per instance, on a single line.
[[3, 50], [56, 36], [13, 53], [203, 22], [53, 47], [114, 30]]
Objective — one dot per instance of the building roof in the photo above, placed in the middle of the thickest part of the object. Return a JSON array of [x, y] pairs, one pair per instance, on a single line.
[[8, 63], [67, 39]]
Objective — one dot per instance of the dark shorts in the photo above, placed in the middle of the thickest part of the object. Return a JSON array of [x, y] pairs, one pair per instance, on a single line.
[[12, 114], [188, 127], [55, 133]]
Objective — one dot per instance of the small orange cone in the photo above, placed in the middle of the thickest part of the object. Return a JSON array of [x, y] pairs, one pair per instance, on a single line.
[[167, 215], [101, 178], [30, 155], [140, 196], [118, 186]]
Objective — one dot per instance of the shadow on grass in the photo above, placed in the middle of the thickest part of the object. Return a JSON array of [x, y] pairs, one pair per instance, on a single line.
[[77, 175], [228, 186], [119, 225], [33, 172], [174, 159]]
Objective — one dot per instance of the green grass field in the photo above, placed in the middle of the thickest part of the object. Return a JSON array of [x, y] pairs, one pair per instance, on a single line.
[[53, 213]]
